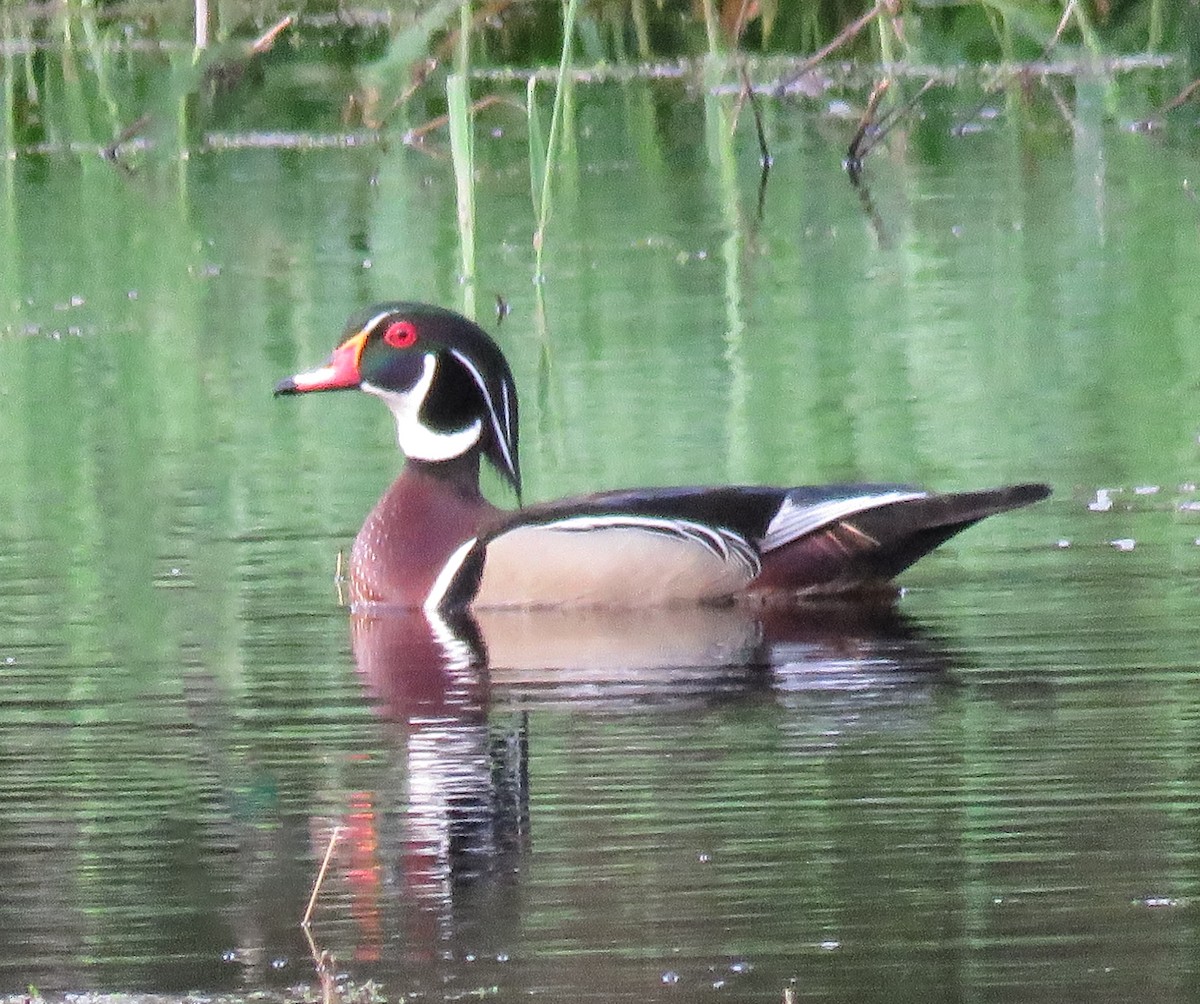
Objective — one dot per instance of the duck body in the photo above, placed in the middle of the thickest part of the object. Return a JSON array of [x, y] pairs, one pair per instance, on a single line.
[[434, 542]]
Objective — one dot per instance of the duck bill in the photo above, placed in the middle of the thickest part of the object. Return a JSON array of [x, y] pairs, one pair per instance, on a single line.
[[339, 372]]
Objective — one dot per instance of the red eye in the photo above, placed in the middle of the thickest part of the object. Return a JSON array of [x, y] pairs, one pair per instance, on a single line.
[[400, 335]]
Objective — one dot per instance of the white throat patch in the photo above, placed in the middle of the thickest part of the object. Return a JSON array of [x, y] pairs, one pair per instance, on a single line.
[[416, 440]]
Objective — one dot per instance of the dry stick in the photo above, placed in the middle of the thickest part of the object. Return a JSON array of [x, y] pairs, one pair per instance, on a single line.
[[873, 137], [1182, 96], [415, 136], [844, 36], [420, 74], [339, 580], [267, 39], [129, 132], [765, 158], [854, 157], [763, 150], [1048, 48], [739, 22], [855, 152], [312, 900], [324, 964], [320, 958], [1155, 121], [1061, 105]]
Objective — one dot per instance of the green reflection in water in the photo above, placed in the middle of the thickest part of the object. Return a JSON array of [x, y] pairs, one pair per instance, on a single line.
[[180, 720]]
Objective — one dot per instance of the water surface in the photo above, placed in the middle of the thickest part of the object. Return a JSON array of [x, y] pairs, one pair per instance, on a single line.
[[990, 795]]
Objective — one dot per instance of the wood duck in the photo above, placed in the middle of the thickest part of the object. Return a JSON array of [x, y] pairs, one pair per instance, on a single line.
[[433, 542]]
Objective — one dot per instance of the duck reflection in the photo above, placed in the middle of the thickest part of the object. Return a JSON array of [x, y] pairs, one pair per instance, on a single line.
[[458, 692], [415, 666]]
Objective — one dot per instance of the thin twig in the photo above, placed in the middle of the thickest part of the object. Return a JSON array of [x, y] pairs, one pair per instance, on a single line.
[[1047, 49], [312, 900], [324, 964], [416, 135], [845, 35], [888, 121], [267, 39], [855, 152], [1068, 10], [129, 132], [876, 134], [1181, 97], [339, 580], [748, 90]]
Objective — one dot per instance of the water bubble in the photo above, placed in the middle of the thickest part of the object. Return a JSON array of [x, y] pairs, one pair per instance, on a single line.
[[1124, 543], [1063, 543], [830, 946], [740, 967], [1145, 490]]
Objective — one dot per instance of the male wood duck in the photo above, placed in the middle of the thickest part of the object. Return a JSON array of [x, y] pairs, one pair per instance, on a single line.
[[434, 542]]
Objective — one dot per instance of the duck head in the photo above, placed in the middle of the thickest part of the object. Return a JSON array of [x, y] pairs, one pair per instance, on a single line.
[[444, 379]]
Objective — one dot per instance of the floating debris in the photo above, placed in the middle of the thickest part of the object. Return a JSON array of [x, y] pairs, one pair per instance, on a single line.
[[1103, 500], [1124, 543]]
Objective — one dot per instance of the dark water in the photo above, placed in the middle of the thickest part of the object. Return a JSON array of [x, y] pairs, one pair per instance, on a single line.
[[991, 795]]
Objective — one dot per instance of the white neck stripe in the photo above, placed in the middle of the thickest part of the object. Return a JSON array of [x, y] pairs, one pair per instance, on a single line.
[[418, 441]]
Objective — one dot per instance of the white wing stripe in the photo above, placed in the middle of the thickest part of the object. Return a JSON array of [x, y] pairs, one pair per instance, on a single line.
[[724, 544], [794, 521]]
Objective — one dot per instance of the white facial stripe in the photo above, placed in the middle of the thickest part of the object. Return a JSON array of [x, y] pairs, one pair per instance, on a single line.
[[370, 325], [503, 427], [416, 440]]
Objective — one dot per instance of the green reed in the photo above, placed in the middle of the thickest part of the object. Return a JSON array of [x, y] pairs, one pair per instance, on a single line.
[[462, 154], [561, 86]]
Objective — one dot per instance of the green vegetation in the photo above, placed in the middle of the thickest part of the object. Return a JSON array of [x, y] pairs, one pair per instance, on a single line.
[[97, 72]]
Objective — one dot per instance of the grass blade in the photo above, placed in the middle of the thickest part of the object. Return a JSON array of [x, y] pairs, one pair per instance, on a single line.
[[552, 145]]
